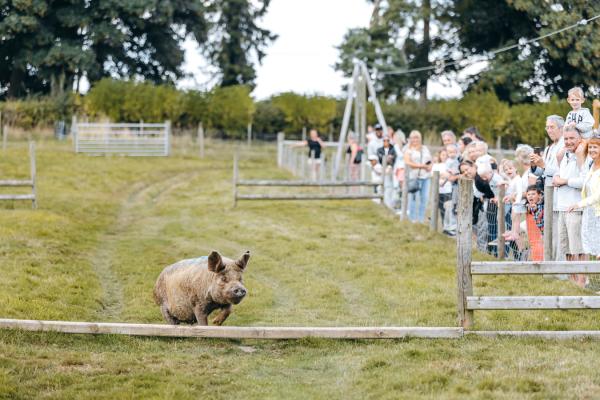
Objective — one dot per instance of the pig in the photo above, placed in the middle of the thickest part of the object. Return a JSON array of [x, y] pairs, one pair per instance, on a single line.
[[189, 290]]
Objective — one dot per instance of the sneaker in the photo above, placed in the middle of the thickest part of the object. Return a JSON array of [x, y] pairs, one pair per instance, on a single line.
[[449, 233]]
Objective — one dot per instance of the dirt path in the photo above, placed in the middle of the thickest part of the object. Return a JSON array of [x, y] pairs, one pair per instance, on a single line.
[[105, 257]]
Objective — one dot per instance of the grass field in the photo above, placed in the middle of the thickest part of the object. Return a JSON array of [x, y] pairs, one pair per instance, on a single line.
[[106, 227]]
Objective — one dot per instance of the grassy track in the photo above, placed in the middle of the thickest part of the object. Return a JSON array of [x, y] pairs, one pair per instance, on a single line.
[[107, 226]]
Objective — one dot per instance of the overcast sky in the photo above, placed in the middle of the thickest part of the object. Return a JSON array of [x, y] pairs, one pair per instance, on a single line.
[[302, 58]]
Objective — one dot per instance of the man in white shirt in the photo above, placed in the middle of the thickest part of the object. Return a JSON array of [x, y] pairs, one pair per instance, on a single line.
[[568, 182], [547, 166]]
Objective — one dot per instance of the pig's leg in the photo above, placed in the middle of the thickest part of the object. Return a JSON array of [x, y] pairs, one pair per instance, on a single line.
[[167, 315], [201, 316], [223, 315]]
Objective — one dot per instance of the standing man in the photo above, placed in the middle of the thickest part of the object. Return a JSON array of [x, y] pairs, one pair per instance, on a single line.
[[547, 165], [376, 142], [568, 182]]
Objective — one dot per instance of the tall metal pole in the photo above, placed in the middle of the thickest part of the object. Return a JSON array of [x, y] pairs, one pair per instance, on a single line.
[[373, 94], [345, 122]]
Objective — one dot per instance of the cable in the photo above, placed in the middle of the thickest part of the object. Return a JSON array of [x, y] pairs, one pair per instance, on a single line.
[[486, 57]]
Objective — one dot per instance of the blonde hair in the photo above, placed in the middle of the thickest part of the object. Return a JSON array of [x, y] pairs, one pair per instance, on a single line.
[[505, 164], [415, 133], [522, 154], [576, 90]]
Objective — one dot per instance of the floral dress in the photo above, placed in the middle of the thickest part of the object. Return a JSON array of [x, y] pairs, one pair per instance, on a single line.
[[590, 227]]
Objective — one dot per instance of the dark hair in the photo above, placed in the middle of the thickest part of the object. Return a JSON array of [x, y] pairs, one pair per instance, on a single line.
[[534, 187], [474, 131], [466, 140]]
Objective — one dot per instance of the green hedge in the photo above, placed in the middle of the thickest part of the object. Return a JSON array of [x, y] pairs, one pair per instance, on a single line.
[[227, 111]]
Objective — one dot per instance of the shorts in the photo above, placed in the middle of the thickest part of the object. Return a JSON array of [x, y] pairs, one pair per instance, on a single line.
[[569, 233]]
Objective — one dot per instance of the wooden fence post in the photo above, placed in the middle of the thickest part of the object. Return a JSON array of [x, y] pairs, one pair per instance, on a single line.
[[463, 250], [235, 178], [280, 139], [435, 199], [405, 194], [201, 139], [33, 174], [168, 137], [501, 222], [74, 136], [548, 220], [4, 137], [304, 133], [249, 132]]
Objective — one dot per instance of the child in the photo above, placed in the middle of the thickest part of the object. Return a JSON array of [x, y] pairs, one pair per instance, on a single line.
[[535, 222], [579, 117]]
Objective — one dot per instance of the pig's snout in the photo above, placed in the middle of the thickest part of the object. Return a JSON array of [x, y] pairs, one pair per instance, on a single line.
[[239, 293]]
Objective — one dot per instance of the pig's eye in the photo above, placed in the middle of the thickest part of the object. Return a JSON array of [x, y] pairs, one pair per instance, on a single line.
[[224, 279]]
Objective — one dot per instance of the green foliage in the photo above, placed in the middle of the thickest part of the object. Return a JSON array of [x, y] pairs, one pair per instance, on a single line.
[[126, 101], [230, 110], [306, 111], [42, 111], [268, 118]]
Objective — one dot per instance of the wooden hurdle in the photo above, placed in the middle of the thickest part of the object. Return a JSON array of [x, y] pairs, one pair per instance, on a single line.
[[26, 183], [299, 183], [468, 303]]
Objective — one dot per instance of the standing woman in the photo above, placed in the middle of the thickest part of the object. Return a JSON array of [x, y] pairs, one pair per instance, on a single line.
[[355, 159], [418, 158], [590, 201], [315, 144]]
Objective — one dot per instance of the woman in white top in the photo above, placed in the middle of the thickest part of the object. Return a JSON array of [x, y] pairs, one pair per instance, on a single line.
[[418, 159], [590, 201]]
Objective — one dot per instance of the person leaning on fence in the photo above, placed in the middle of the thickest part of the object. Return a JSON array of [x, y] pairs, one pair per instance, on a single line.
[[568, 183], [418, 158], [535, 222], [315, 145], [386, 155], [590, 201], [355, 153], [547, 166], [376, 141]]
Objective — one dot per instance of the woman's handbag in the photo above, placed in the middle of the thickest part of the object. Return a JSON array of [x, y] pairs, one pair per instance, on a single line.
[[414, 185]]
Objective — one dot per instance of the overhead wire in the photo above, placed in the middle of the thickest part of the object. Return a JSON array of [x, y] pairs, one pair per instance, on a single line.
[[487, 56]]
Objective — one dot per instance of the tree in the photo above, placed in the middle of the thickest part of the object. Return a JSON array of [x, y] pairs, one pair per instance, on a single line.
[[400, 37], [237, 39], [534, 70]]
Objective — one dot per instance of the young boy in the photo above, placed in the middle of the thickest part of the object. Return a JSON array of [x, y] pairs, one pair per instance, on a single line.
[[535, 222], [579, 117]]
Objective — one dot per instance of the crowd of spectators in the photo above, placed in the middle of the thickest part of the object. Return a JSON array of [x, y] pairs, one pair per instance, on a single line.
[[570, 164]]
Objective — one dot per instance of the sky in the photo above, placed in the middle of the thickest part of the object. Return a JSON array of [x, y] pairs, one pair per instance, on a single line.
[[302, 58]]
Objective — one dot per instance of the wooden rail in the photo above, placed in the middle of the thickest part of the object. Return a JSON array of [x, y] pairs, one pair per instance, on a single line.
[[299, 183], [24, 183], [232, 332], [467, 302], [535, 267], [532, 302]]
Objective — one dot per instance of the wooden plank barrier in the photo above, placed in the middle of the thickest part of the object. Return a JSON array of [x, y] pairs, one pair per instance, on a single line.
[[467, 302], [24, 183], [312, 182], [232, 332]]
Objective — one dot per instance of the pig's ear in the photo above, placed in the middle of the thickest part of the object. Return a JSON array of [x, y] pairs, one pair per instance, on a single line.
[[215, 262], [243, 261]]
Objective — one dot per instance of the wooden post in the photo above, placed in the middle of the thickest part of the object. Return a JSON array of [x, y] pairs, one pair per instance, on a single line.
[[548, 214], [168, 137], [33, 174], [383, 176], [280, 139], [499, 147], [249, 132], [435, 199], [235, 178], [74, 136], [405, 193], [501, 222], [463, 251], [303, 133], [4, 137], [596, 109], [201, 139]]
